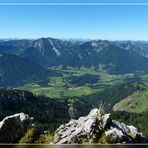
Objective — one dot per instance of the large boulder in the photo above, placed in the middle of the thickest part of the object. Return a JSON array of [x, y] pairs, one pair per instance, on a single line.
[[77, 131], [120, 132], [12, 128], [96, 128]]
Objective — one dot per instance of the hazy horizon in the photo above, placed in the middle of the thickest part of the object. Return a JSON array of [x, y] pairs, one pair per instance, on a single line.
[[77, 39]]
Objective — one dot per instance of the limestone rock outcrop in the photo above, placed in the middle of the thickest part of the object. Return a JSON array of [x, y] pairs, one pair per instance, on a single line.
[[12, 128], [97, 128]]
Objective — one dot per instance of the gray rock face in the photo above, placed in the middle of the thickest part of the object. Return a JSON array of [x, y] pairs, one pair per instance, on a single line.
[[115, 135], [12, 128], [106, 120], [77, 130], [95, 127], [123, 133]]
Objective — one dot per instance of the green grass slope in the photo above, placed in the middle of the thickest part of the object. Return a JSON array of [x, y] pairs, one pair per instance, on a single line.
[[136, 103]]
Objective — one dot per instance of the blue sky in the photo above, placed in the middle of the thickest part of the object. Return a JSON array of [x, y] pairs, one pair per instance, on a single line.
[[93, 22], [108, 1]]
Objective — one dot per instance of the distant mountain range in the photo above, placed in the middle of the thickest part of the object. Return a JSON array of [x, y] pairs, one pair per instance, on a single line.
[[30, 58]]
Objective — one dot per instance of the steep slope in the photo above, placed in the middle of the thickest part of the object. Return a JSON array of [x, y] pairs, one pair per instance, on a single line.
[[41, 108], [139, 47], [15, 46], [114, 57], [135, 103], [44, 110], [117, 60], [111, 95], [15, 70]]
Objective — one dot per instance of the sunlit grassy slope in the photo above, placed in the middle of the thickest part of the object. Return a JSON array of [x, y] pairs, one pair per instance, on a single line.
[[136, 103]]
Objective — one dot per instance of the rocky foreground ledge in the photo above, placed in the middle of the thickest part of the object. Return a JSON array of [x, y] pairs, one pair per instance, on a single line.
[[97, 128], [12, 128]]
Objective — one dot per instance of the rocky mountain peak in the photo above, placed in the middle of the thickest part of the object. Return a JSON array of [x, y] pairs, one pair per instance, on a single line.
[[97, 128], [47, 44]]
